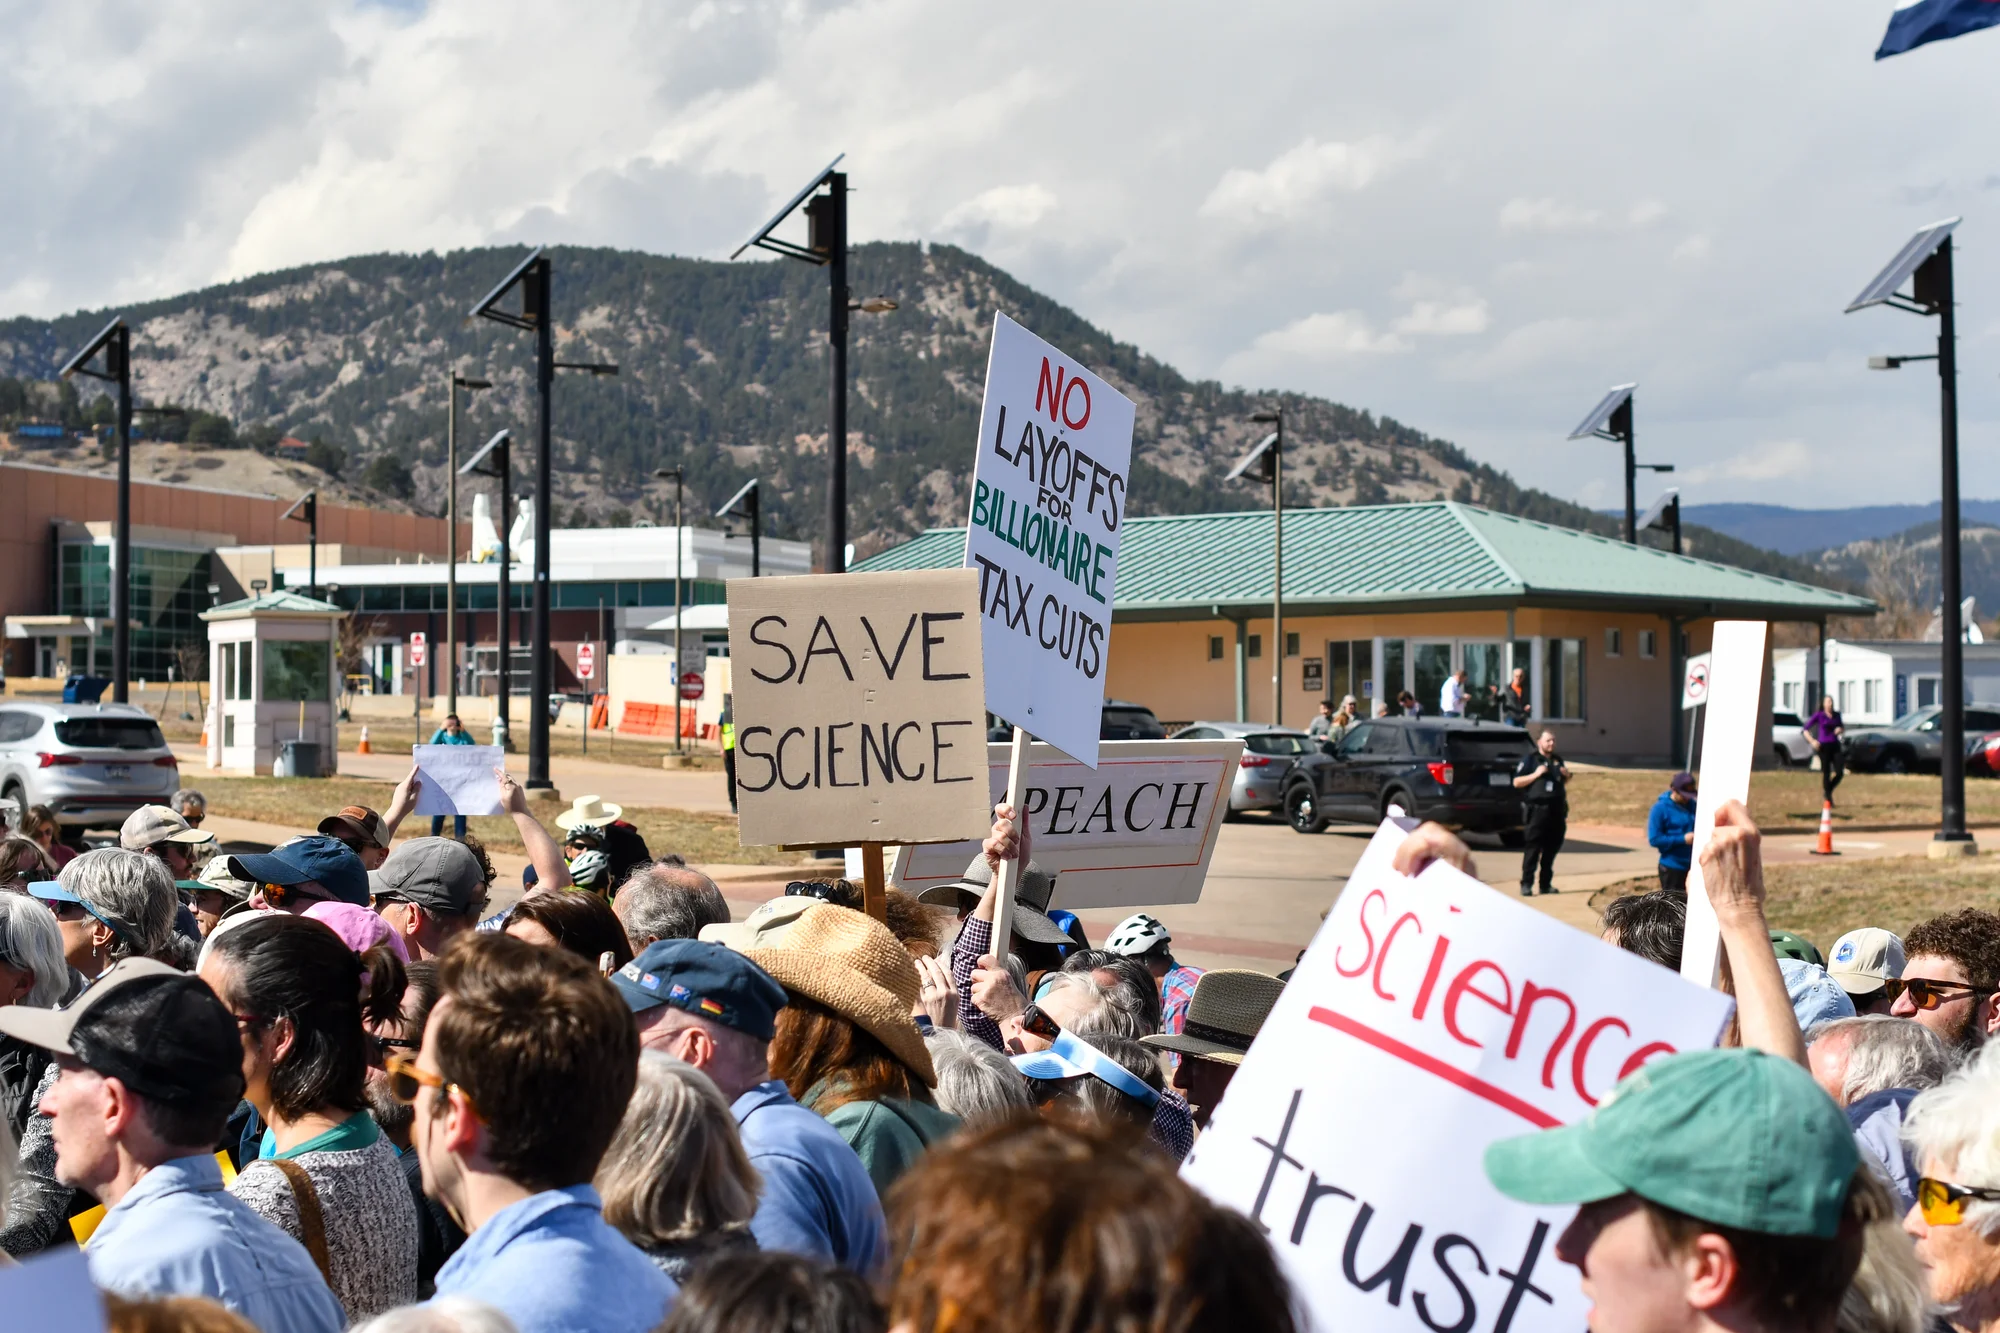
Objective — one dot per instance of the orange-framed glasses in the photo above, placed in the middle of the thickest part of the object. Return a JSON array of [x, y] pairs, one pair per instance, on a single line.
[[407, 1082]]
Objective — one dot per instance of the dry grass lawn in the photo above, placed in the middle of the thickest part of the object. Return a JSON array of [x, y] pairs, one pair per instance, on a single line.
[[1783, 800], [302, 802]]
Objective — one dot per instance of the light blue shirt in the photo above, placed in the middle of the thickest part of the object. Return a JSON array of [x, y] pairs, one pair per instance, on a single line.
[[552, 1264], [818, 1200], [178, 1232]]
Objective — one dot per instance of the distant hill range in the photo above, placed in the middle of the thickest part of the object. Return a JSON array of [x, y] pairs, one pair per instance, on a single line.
[[1806, 531], [722, 370]]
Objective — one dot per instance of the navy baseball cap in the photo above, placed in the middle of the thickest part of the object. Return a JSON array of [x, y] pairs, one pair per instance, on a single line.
[[707, 980], [326, 861]]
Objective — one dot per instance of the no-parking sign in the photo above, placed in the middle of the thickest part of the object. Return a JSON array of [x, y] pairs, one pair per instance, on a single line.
[[1694, 685]]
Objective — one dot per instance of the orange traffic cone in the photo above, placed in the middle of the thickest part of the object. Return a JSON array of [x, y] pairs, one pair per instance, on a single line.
[[364, 747], [1825, 847]]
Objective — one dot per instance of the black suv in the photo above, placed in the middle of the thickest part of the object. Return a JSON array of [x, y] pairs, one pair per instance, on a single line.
[[1459, 773]]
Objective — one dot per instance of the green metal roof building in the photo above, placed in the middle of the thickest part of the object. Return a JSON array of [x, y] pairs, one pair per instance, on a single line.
[[1405, 594]]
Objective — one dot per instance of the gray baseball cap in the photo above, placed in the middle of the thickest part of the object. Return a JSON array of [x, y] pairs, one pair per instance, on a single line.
[[437, 874]]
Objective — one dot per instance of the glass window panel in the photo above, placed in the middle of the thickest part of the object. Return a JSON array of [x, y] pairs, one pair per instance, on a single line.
[[296, 669]]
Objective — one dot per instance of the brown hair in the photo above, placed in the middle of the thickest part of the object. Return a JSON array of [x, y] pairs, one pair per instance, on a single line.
[[23, 858], [1969, 937], [171, 1314], [1030, 1225], [815, 1045], [1792, 1282], [37, 820], [472, 844], [544, 1048], [581, 922], [915, 925]]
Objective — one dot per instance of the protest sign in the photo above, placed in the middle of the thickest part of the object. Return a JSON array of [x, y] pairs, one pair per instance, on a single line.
[[1137, 832], [1431, 1017], [1733, 687], [458, 779], [859, 708], [1048, 511]]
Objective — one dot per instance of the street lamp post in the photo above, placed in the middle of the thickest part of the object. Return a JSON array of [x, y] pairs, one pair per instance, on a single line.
[[1925, 262], [826, 245], [744, 505], [1268, 461], [533, 277], [1611, 419], [453, 383], [680, 545], [495, 459], [309, 503], [115, 342]]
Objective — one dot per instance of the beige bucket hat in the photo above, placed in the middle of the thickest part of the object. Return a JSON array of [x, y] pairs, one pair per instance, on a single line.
[[1230, 1004], [849, 962]]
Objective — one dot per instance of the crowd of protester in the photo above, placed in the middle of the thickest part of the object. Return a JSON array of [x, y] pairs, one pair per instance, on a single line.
[[323, 1087]]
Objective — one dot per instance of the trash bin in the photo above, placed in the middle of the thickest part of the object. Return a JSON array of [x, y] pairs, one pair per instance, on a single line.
[[81, 689], [298, 759]]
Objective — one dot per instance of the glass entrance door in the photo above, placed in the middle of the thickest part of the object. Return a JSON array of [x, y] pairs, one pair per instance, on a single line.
[[1430, 665], [1485, 672]]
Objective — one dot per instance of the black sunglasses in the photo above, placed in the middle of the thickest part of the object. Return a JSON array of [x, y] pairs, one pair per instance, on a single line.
[[839, 892], [1035, 1021], [1927, 995]]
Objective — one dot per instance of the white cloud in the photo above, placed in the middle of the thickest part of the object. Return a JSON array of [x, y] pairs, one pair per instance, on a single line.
[[1007, 206], [1774, 461], [1341, 333], [1300, 177], [1447, 319], [1547, 215], [1693, 250]]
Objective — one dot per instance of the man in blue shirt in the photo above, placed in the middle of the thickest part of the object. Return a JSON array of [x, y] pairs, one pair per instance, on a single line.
[[151, 1068], [526, 1066], [1670, 828], [715, 1009]]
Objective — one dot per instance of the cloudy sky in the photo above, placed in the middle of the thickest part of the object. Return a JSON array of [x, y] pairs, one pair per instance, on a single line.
[[1470, 217]]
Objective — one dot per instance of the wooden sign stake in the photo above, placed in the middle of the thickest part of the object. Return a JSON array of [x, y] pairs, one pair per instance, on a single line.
[[874, 882], [1010, 871]]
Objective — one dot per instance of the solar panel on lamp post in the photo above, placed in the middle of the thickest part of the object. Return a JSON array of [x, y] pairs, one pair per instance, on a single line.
[[309, 503], [1611, 419], [1925, 263], [744, 504], [114, 343], [826, 246], [1267, 459], [533, 277]]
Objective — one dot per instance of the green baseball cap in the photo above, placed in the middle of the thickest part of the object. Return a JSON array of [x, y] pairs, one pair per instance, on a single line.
[[1735, 1138]]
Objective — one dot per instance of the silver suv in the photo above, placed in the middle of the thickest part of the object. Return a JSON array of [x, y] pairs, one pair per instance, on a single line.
[[93, 764]]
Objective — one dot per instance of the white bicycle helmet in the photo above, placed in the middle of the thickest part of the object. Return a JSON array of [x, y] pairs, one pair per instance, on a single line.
[[590, 870], [1136, 935]]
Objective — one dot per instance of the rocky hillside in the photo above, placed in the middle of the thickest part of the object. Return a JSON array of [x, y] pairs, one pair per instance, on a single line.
[[1901, 573], [722, 369]]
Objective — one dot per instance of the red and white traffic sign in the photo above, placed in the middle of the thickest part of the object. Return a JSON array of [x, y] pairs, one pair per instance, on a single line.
[[586, 660], [692, 686], [419, 648], [1694, 689]]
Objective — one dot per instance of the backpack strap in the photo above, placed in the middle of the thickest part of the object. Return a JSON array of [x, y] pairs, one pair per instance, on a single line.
[[312, 1222]]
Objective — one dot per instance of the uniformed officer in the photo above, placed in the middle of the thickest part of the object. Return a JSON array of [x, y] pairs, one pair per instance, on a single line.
[[1543, 781]]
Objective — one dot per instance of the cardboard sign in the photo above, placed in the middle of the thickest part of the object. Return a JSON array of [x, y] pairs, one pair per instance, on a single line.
[[1431, 1017], [1734, 684], [458, 779], [1048, 511], [859, 707], [1138, 831]]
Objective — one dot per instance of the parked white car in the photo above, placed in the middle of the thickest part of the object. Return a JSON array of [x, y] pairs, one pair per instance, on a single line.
[[93, 764], [1268, 753], [1789, 743]]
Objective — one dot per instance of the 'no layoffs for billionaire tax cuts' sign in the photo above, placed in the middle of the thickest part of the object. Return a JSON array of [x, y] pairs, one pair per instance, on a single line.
[[1048, 509], [859, 708], [1431, 1017]]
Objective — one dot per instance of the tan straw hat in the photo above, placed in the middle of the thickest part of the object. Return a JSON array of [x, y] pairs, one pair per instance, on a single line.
[[849, 962], [588, 810], [1229, 1006]]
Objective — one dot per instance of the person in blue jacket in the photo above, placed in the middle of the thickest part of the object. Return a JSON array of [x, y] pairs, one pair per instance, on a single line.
[[1670, 828]]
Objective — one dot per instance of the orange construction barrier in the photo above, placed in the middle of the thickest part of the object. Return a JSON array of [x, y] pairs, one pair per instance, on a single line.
[[1825, 847]]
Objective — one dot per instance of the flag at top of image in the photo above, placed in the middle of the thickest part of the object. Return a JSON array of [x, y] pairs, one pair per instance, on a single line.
[[1918, 21]]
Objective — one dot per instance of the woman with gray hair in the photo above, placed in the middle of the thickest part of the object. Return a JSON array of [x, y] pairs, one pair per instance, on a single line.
[[975, 1082], [32, 973], [676, 1180], [1955, 1130], [111, 904]]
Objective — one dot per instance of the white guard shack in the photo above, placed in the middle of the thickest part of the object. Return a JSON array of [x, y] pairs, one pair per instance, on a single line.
[[271, 677], [1876, 681]]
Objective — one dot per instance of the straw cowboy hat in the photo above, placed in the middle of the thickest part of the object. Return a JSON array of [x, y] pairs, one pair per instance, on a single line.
[[849, 962], [588, 810], [1229, 1006]]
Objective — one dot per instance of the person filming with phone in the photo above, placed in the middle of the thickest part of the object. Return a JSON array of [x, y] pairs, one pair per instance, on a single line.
[[1543, 781]]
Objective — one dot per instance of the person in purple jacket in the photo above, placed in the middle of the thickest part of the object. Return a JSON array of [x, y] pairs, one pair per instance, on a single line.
[[1827, 734]]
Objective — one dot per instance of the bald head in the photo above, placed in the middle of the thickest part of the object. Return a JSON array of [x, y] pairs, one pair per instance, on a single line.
[[663, 902]]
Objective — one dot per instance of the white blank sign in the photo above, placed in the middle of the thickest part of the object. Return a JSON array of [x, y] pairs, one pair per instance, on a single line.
[[458, 779]]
